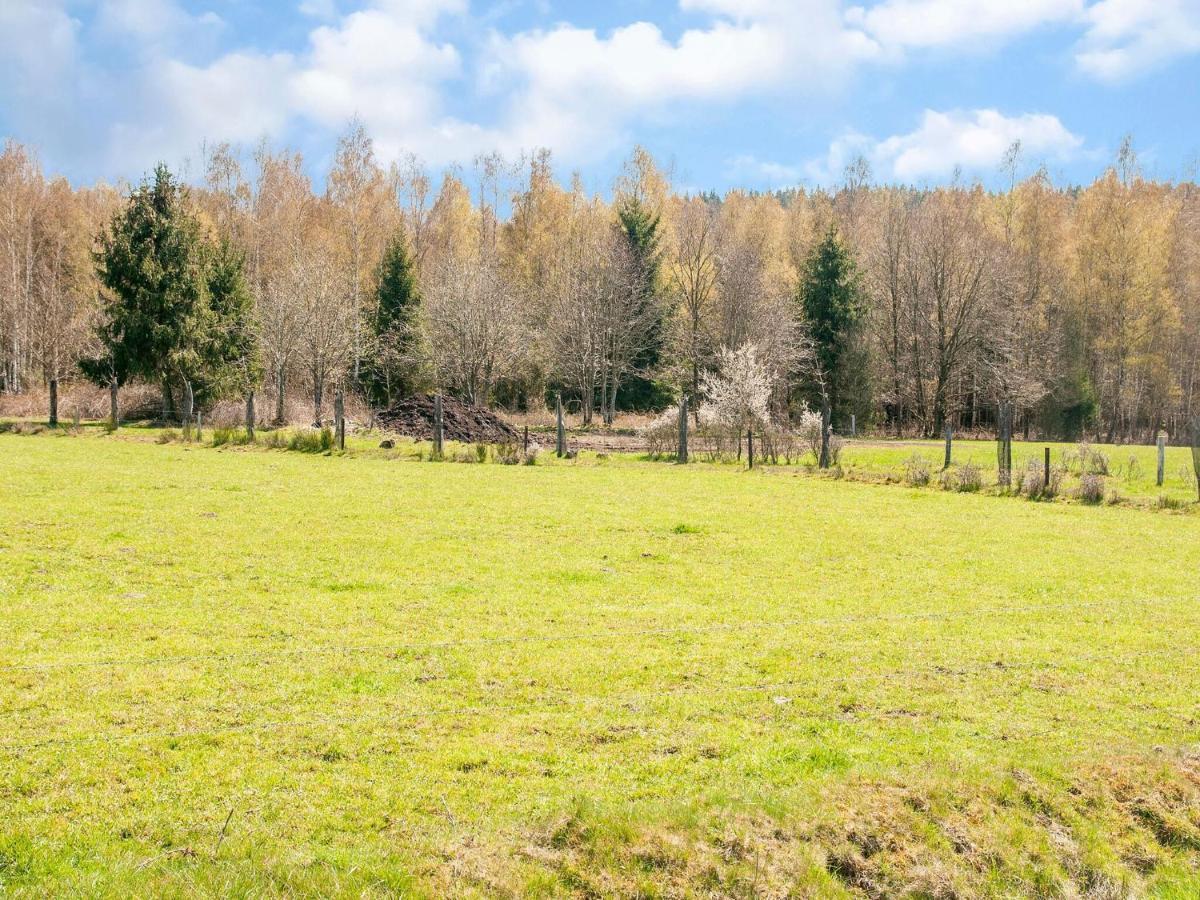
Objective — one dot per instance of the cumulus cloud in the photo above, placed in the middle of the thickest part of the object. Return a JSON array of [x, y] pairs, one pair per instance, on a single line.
[[1127, 37], [974, 141], [901, 24], [575, 89]]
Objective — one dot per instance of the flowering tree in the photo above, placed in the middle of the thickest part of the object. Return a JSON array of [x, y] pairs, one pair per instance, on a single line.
[[739, 393]]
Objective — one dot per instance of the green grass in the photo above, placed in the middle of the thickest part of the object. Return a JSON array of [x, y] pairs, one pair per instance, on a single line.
[[588, 678]]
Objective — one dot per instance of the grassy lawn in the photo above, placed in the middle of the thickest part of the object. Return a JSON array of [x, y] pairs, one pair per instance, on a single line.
[[255, 672]]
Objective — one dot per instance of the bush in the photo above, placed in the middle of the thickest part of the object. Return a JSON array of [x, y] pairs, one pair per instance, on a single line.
[[970, 477], [1091, 488], [917, 470], [309, 441], [967, 478], [166, 436], [229, 435]]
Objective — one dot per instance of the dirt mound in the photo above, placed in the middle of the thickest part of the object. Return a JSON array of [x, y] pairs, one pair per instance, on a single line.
[[460, 421]]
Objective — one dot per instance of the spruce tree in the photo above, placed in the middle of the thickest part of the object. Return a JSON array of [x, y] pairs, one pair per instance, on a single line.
[[831, 301], [176, 309], [641, 229], [390, 369]]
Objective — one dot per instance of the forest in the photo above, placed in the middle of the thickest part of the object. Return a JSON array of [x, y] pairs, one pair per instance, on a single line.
[[1077, 307]]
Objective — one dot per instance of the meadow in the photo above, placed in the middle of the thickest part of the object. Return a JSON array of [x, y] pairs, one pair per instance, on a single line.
[[237, 671]]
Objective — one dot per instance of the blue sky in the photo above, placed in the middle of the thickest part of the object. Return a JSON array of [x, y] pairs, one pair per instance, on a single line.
[[753, 93]]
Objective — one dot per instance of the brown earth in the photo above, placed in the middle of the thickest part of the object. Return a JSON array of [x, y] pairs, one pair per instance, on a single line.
[[461, 421]]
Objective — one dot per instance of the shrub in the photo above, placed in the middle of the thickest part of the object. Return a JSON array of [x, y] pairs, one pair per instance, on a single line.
[[166, 436], [1091, 488], [917, 470], [808, 426], [309, 441], [229, 435], [970, 477]]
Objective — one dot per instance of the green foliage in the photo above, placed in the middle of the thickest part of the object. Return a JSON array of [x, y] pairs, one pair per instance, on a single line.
[[641, 229], [389, 369], [831, 300], [176, 309], [232, 360]]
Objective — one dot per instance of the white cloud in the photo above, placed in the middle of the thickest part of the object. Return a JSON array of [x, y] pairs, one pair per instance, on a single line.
[[1127, 37], [151, 21], [576, 91], [750, 170], [974, 141], [899, 24]]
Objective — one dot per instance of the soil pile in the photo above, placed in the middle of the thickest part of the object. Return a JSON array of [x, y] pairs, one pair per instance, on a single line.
[[460, 421]]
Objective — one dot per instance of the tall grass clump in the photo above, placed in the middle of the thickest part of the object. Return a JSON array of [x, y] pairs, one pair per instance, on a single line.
[[229, 435], [304, 441], [1091, 488], [917, 471]]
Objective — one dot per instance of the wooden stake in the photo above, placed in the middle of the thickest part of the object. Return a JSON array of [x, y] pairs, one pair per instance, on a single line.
[[949, 444], [339, 419], [683, 429], [53, 402], [112, 404], [250, 416], [1162, 457], [437, 426], [560, 441], [750, 447], [1046, 479]]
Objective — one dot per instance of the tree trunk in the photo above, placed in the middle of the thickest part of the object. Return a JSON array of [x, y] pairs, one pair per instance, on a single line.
[[280, 385], [53, 402], [250, 416], [114, 417], [189, 402], [318, 396], [826, 417]]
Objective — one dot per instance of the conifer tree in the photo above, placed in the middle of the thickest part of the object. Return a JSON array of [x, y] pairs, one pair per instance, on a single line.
[[389, 374], [831, 301]]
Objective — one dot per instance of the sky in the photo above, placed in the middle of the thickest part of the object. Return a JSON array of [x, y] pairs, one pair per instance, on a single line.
[[760, 94]]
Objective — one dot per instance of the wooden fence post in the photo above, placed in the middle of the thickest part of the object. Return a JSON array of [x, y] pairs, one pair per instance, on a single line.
[[525, 446], [53, 402], [560, 437], [339, 419], [683, 429], [750, 447], [1162, 457], [949, 444], [1046, 479], [437, 426], [853, 426], [114, 418], [250, 416]]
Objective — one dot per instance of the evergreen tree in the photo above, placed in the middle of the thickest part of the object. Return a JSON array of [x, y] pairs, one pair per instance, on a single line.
[[231, 356], [176, 310], [641, 229], [389, 373], [832, 303]]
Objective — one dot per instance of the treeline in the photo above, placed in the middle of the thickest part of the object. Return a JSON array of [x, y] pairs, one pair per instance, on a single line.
[[905, 308]]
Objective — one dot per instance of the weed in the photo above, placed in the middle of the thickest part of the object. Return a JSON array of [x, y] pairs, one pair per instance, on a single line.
[[917, 471]]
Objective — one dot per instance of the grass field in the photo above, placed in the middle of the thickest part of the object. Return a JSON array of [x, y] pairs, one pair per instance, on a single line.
[[245, 672]]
